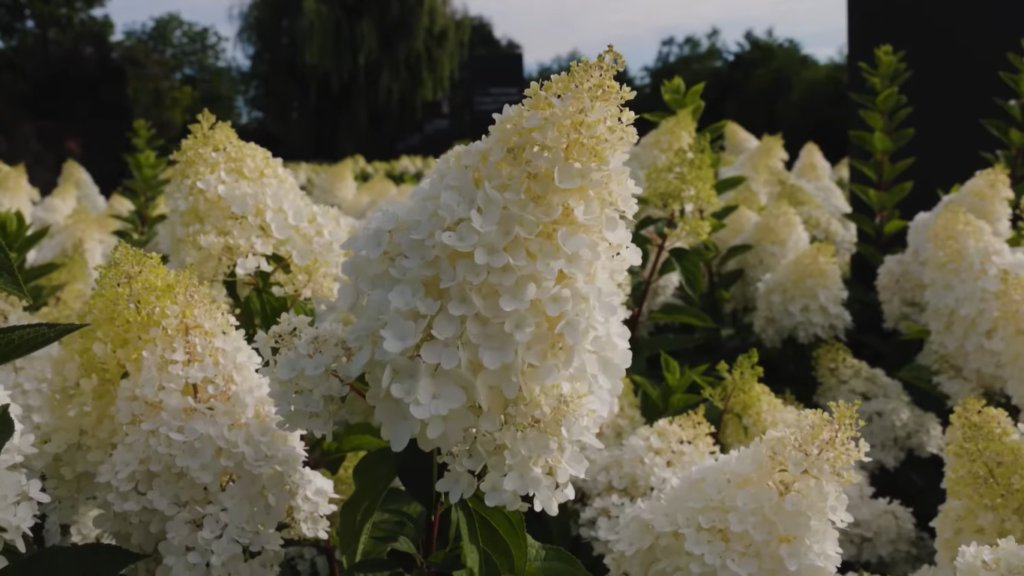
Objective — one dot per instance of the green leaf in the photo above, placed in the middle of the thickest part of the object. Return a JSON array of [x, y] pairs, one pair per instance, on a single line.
[[734, 251], [23, 339], [865, 169], [81, 560], [882, 143], [34, 273], [724, 212], [871, 253], [669, 369], [896, 194], [729, 279], [863, 222], [901, 138], [900, 116], [999, 129], [6, 425], [892, 171], [10, 282], [715, 130], [548, 560], [691, 269], [656, 117], [673, 92], [893, 226], [683, 402], [372, 476], [873, 119], [887, 100], [648, 387], [863, 139], [726, 184], [866, 193], [359, 438], [494, 533], [683, 314]]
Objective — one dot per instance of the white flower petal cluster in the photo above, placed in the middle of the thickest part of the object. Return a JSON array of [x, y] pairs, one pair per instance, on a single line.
[[231, 206], [803, 299], [770, 508], [737, 143], [673, 133], [487, 308], [20, 490], [1006, 558], [651, 459], [984, 487], [304, 363], [883, 534], [170, 431], [16, 192], [75, 189], [337, 186], [901, 278], [841, 173], [893, 425], [764, 167], [820, 203], [776, 237]]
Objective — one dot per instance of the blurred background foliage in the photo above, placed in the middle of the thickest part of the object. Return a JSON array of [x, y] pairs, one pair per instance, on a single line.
[[325, 79]]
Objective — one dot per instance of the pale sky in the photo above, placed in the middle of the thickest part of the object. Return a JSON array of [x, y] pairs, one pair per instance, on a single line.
[[547, 28]]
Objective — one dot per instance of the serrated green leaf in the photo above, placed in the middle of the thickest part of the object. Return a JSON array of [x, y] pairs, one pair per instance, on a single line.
[[866, 193], [10, 281], [81, 560], [863, 222], [865, 169], [896, 194], [23, 339], [724, 212], [892, 171], [731, 183], [548, 560], [682, 402], [36, 273], [372, 476], [656, 117], [673, 92]]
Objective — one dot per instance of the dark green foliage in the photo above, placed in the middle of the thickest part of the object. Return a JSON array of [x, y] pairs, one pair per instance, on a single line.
[[19, 239], [1010, 130], [884, 111], [144, 187], [81, 560]]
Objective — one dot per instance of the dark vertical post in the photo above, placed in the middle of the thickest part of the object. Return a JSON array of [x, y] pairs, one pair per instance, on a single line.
[[497, 79], [955, 51]]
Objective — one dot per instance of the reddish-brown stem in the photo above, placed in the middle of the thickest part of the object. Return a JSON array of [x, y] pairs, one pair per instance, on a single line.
[[634, 319]]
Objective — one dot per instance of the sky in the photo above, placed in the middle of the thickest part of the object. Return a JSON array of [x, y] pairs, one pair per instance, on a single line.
[[548, 28]]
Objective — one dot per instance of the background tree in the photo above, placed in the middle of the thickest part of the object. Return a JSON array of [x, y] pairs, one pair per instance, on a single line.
[[63, 91], [329, 78], [175, 69]]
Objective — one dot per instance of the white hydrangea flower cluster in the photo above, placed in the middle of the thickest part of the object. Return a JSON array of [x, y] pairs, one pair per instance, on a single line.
[[803, 298], [676, 132], [764, 168], [337, 186], [20, 491], [652, 459], [883, 534], [984, 486], [488, 307], [16, 192], [894, 426], [171, 432], [303, 362], [231, 206], [901, 278], [75, 189], [820, 203], [841, 174], [737, 142], [1006, 558], [772, 507]]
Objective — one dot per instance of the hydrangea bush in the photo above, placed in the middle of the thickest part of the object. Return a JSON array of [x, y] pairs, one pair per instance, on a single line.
[[558, 350]]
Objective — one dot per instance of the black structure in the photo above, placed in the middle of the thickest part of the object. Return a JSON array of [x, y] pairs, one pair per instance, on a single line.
[[955, 52], [496, 80]]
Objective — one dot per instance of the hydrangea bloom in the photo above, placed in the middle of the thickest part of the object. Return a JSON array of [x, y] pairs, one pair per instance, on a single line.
[[820, 203], [764, 167], [894, 426], [737, 142], [20, 492], [231, 205], [75, 188], [488, 307], [171, 432], [883, 534], [803, 299], [984, 486], [16, 192], [304, 364], [777, 236], [652, 459], [677, 132], [901, 282], [1006, 558], [749, 408], [841, 173], [772, 507]]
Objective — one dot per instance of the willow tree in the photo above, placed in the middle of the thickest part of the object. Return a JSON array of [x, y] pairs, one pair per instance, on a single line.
[[330, 78]]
